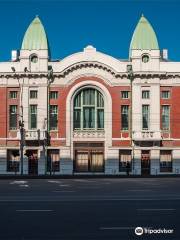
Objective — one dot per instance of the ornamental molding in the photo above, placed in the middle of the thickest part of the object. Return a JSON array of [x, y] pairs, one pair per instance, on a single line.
[[88, 134]]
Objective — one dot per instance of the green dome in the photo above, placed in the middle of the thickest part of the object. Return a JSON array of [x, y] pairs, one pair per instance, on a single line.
[[144, 37], [35, 36]]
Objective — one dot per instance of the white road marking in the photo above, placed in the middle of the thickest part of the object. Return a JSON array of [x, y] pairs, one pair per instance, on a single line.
[[54, 181], [156, 209], [24, 185], [33, 210], [18, 182], [63, 191], [64, 185], [139, 190]]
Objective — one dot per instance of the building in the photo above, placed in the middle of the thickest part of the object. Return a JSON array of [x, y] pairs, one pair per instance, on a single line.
[[90, 113]]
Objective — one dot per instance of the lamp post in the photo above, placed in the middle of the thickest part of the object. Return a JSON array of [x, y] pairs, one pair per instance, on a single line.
[[50, 79], [21, 123], [131, 78]]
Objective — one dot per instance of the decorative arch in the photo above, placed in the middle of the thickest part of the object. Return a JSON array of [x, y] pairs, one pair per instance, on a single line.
[[107, 109]]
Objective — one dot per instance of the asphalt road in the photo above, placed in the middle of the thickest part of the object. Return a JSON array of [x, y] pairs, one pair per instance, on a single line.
[[107, 209]]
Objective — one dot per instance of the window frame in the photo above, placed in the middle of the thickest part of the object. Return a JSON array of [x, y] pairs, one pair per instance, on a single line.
[[124, 93], [123, 128], [163, 115], [13, 92], [31, 92], [12, 117], [165, 91], [55, 94], [145, 94], [167, 167], [12, 164], [148, 117], [31, 114], [51, 115], [93, 106]]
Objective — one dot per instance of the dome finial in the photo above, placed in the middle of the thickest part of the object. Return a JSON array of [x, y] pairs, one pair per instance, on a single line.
[[142, 15]]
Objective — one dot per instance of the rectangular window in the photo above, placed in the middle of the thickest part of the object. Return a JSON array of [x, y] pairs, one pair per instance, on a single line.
[[13, 94], [165, 161], [165, 117], [33, 116], [53, 160], [125, 117], [124, 160], [53, 95], [145, 117], [125, 94], [53, 117], [13, 117], [165, 94], [146, 94], [89, 117], [33, 94], [13, 160]]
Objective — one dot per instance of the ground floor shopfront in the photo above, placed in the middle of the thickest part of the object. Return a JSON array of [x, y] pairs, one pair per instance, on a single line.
[[90, 158]]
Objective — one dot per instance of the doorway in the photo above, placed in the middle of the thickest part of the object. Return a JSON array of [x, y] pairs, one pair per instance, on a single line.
[[145, 162], [89, 157], [32, 162]]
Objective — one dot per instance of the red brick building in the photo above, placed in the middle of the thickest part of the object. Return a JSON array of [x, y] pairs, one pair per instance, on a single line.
[[90, 113]]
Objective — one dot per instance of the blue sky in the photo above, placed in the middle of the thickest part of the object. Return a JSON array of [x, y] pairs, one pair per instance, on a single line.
[[71, 25]]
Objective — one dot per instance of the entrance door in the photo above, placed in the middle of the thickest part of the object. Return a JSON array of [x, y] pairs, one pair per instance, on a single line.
[[89, 157], [145, 162], [33, 162], [81, 162]]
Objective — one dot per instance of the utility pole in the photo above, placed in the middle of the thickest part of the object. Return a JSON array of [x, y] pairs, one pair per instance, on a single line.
[[50, 79], [21, 127], [131, 78]]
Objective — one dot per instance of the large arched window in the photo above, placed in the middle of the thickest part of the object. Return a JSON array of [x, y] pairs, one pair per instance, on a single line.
[[88, 110]]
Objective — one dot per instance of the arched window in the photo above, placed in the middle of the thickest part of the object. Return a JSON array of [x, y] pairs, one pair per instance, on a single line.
[[89, 110]]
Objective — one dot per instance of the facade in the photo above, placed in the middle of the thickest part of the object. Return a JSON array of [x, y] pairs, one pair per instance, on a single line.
[[90, 113]]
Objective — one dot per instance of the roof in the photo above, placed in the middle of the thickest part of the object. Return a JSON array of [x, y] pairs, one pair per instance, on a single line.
[[35, 37], [144, 37]]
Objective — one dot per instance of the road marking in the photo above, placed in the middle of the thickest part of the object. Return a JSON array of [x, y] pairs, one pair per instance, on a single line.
[[156, 209], [24, 185], [139, 190], [33, 210], [63, 191], [53, 181], [64, 185], [18, 182]]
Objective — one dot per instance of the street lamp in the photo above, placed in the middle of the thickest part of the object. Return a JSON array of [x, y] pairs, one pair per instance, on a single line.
[[131, 78], [50, 79], [21, 125]]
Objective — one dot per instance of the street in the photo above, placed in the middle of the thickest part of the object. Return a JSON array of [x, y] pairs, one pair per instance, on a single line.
[[67, 209]]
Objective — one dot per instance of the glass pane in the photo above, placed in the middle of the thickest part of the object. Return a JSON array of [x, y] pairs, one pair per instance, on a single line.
[[77, 118], [13, 117], [97, 161], [125, 117], [81, 161], [33, 94], [88, 97], [100, 101], [89, 117], [165, 117], [145, 116], [53, 95], [77, 100], [100, 118]]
